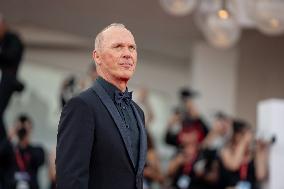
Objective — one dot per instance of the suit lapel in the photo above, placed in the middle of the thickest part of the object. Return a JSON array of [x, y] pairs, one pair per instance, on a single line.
[[106, 100], [143, 141]]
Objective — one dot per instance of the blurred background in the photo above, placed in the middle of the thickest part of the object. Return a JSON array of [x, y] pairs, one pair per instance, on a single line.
[[209, 59]]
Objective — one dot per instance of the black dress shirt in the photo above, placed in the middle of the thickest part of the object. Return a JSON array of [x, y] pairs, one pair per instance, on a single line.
[[126, 112]]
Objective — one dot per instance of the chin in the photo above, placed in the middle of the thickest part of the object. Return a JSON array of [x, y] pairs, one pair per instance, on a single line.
[[125, 78], [126, 75]]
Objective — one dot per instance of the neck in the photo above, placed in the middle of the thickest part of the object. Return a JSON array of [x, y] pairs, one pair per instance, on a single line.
[[120, 83]]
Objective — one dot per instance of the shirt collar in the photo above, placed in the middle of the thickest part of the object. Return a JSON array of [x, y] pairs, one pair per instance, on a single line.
[[110, 88]]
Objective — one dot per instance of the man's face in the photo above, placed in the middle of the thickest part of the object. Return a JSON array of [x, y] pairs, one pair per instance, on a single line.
[[23, 130], [117, 56]]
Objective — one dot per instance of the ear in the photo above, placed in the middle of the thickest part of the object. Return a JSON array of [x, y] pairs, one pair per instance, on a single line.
[[96, 57]]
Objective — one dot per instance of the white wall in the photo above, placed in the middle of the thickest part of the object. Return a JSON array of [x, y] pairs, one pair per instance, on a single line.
[[270, 123], [260, 72], [214, 76]]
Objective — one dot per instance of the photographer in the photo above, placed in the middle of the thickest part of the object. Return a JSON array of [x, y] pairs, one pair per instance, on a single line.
[[244, 162], [182, 167], [28, 157], [184, 119]]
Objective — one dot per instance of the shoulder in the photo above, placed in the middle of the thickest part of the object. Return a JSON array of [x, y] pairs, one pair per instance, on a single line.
[[77, 112], [85, 98], [77, 104], [87, 95], [12, 36]]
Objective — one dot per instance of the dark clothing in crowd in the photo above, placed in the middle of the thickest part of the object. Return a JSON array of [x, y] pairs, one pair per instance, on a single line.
[[188, 125], [6, 164], [244, 176], [211, 168], [11, 51], [19, 165], [27, 164], [185, 177], [197, 125]]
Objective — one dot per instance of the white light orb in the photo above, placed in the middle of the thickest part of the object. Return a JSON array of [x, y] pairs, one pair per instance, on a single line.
[[178, 7], [268, 16], [222, 29]]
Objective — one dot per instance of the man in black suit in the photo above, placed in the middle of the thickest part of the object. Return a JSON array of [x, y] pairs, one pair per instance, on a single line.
[[101, 141]]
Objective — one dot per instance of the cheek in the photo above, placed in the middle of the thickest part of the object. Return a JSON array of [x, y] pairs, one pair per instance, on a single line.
[[108, 58], [109, 62], [134, 67], [135, 58], [135, 63]]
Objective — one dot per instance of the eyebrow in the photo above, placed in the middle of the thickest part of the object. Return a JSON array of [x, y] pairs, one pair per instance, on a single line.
[[124, 44]]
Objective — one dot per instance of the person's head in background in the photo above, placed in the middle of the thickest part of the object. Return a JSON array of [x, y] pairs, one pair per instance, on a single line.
[[115, 55], [187, 97], [222, 124], [23, 128], [242, 132], [3, 27]]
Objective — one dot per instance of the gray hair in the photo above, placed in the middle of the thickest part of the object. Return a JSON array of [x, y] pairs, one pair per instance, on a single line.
[[99, 38]]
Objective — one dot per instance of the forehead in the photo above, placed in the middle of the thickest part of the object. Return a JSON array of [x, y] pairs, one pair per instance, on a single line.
[[117, 35]]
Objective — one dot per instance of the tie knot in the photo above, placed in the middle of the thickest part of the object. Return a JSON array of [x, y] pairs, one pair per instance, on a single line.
[[120, 96]]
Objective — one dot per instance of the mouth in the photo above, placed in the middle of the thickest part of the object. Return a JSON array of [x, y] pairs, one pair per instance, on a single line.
[[126, 64]]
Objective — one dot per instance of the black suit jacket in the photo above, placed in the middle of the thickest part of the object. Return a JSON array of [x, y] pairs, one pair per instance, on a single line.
[[93, 151]]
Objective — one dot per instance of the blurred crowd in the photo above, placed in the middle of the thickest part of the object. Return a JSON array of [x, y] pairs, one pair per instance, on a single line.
[[223, 155]]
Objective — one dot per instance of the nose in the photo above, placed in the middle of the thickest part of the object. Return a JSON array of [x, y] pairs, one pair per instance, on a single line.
[[126, 53], [126, 56]]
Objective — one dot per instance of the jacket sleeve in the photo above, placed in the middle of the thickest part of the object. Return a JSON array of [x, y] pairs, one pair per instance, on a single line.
[[74, 145]]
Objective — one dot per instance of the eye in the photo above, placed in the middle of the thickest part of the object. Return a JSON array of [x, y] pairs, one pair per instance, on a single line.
[[132, 48], [118, 46]]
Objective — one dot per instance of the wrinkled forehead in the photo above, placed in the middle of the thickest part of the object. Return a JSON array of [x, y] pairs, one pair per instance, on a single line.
[[118, 35]]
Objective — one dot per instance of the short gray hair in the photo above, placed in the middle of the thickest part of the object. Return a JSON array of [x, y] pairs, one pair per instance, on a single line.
[[99, 38]]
